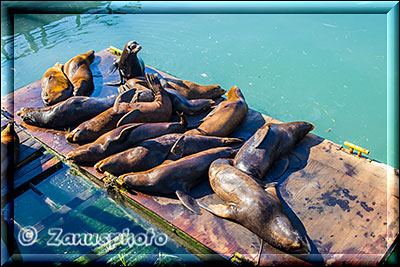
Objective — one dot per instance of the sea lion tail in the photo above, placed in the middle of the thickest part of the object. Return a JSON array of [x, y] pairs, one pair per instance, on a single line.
[[153, 82], [177, 149]]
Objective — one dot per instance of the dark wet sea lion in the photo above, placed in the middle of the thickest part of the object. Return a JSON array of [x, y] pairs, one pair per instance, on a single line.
[[269, 143], [191, 90], [122, 138], [123, 113], [180, 103], [67, 113], [9, 149], [129, 65], [224, 119], [153, 152], [178, 176], [259, 210], [56, 86]]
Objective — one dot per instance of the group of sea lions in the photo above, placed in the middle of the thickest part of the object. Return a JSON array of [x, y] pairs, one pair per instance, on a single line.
[[131, 136]]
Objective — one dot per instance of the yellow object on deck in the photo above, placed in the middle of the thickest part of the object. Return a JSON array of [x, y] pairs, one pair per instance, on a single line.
[[353, 147], [115, 51]]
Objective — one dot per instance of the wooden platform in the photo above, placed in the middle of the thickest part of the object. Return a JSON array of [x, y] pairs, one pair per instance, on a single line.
[[347, 207], [34, 164]]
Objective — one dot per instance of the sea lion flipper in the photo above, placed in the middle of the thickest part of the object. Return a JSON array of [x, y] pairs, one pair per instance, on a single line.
[[279, 168], [259, 138], [125, 97], [188, 202], [219, 209], [114, 83], [128, 117], [177, 149], [271, 189], [126, 131]]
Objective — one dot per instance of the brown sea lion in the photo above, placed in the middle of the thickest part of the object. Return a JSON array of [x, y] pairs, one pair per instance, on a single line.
[[191, 90], [269, 143], [129, 65], [259, 210], [78, 72], [178, 176], [56, 87], [122, 138], [153, 152], [224, 119], [67, 113], [123, 113], [9, 150]]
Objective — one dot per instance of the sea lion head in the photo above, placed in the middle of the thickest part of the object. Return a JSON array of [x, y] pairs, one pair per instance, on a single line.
[[300, 129], [286, 237], [27, 117], [217, 91], [56, 87], [90, 56], [133, 47], [8, 134], [75, 135], [235, 94]]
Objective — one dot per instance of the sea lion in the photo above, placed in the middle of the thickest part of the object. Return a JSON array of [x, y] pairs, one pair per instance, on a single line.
[[224, 119], [122, 138], [153, 152], [269, 143], [129, 65], [66, 114], [78, 72], [191, 90], [56, 86], [177, 176], [9, 150], [179, 102], [121, 113], [259, 210]]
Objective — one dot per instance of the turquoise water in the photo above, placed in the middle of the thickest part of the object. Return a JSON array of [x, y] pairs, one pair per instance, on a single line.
[[327, 69], [94, 212]]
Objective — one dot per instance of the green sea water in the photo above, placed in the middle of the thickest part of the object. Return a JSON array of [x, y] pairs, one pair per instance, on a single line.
[[328, 69]]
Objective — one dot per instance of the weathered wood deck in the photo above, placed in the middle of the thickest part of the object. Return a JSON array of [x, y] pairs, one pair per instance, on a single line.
[[347, 207]]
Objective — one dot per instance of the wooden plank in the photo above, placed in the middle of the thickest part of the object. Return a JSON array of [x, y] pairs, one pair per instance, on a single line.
[[34, 176], [347, 207]]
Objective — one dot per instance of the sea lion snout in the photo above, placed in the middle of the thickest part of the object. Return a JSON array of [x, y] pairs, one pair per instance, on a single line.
[[133, 47], [91, 56], [73, 136], [287, 237], [218, 90]]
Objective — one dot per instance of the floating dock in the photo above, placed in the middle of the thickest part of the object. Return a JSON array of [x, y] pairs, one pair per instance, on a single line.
[[348, 207]]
